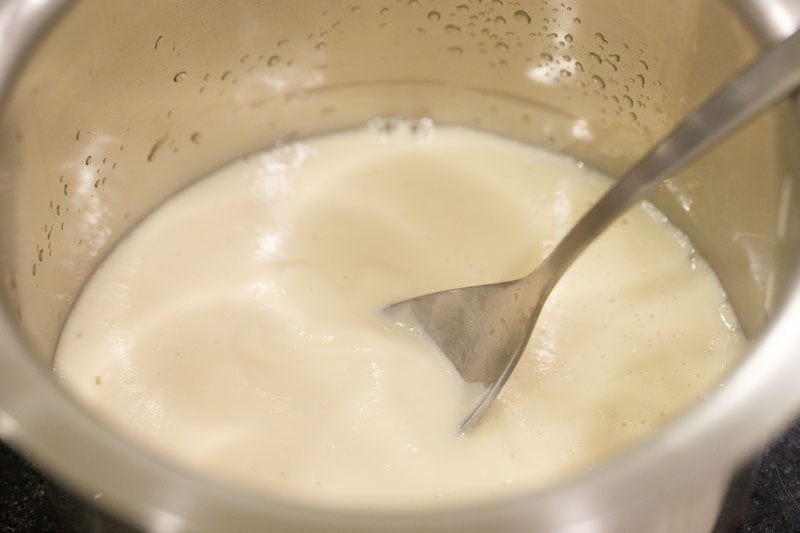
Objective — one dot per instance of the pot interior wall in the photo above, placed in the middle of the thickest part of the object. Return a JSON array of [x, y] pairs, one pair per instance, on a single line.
[[119, 108]]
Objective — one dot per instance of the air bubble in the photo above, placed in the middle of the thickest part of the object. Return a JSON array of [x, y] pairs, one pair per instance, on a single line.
[[522, 17], [422, 129], [384, 127], [179, 77]]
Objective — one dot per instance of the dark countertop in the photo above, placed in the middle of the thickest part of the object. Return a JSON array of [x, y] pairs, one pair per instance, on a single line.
[[31, 503]]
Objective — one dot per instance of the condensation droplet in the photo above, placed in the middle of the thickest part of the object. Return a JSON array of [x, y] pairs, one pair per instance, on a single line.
[[452, 28], [179, 77], [226, 75], [196, 137], [499, 20], [641, 79], [384, 11], [568, 37], [614, 57], [601, 37], [434, 16], [577, 20], [546, 56], [598, 82], [595, 58], [457, 50], [522, 16], [273, 60]]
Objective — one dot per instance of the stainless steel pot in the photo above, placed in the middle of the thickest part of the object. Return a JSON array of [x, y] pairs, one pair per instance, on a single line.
[[117, 105]]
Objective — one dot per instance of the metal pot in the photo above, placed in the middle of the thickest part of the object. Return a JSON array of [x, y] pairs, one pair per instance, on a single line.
[[110, 107]]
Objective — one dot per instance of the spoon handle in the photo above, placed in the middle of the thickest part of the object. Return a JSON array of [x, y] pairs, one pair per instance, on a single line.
[[769, 78]]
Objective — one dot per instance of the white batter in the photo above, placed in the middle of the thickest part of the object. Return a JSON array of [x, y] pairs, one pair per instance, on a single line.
[[238, 329]]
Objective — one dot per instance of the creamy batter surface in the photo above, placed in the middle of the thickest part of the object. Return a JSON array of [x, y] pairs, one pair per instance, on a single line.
[[238, 328]]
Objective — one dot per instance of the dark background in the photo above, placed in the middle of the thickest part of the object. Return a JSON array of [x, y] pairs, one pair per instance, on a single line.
[[31, 503]]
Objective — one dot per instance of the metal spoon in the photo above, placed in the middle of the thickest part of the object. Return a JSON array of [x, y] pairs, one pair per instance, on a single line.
[[483, 329]]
